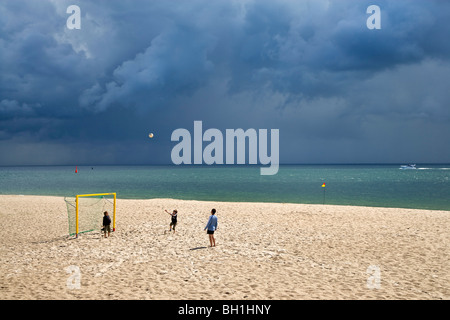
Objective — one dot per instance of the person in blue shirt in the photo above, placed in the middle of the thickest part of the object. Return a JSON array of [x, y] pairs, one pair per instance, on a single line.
[[211, 226]]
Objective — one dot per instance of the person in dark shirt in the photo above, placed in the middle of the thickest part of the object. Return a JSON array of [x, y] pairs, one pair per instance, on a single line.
[[106, 223], [173, 223]]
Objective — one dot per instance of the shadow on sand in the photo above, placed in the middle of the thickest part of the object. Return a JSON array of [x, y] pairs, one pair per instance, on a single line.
[[197, 248]]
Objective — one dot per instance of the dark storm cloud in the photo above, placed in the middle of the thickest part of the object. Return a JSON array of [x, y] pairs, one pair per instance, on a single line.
[[337, 91], [174, 64]]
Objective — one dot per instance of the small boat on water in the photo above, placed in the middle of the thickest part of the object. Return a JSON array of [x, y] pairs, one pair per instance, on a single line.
[[408, 166]]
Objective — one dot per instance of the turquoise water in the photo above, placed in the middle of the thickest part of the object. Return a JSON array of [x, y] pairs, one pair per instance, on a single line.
[[366, 185]]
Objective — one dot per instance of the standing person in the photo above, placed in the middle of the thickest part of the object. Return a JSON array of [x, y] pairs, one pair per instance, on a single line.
[[106, 223], [173, 223], [212, 226]]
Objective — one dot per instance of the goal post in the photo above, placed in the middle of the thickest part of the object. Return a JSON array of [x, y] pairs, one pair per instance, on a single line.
[[85, 211]]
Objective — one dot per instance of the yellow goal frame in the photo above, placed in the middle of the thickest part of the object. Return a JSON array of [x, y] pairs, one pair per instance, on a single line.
[[95, 195]]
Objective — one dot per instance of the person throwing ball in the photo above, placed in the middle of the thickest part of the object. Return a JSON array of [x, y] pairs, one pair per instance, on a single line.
[[173, 223], [211, 226]]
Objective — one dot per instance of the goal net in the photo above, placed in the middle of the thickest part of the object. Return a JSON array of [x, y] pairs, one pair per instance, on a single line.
[[85, 212]]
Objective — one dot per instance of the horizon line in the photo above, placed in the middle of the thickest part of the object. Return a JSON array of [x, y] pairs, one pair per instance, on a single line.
[[227, 165]]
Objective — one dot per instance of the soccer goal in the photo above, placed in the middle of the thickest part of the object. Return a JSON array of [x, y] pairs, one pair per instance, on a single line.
[[85, 211]]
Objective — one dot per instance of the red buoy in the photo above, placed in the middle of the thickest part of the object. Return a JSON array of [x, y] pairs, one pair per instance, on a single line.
[[76, 169]]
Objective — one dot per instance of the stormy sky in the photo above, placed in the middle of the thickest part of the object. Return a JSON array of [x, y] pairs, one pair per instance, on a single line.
[[337, 91]]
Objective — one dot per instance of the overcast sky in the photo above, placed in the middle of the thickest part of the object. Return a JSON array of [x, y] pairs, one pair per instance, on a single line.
[[337, 91]]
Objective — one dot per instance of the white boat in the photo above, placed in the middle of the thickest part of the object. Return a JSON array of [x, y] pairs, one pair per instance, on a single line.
[[408, 166]]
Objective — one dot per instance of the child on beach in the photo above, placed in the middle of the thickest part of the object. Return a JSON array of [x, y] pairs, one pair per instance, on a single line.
[[106, 223], [173, 223], [212, 226]]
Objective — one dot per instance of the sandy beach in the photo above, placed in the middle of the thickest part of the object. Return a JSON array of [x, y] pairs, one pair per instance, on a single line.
[[264, 251]]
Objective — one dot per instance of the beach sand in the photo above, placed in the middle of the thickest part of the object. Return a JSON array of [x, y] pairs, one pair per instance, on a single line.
[[264, 251]]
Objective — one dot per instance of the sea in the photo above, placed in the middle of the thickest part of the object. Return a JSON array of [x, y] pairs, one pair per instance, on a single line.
[[427, 187]]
